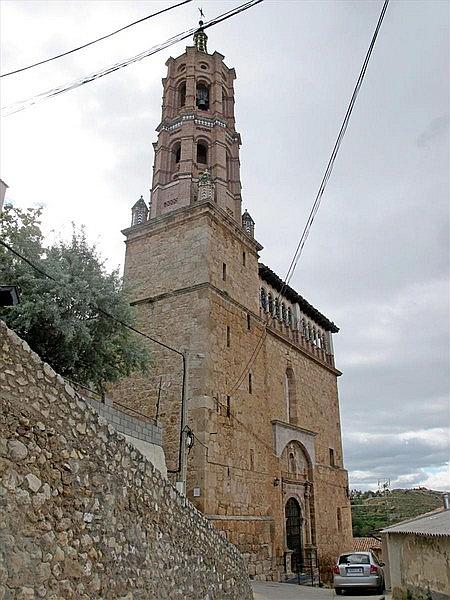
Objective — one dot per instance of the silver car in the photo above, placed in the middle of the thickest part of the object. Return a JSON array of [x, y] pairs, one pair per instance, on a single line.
[[358, 570]]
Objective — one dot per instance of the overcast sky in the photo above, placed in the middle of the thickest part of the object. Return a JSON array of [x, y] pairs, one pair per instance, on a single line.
[[377, 259]]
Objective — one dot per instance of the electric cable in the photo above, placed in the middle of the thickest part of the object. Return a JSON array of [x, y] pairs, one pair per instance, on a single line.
[[322, 187], [24, 104], [104, 37]]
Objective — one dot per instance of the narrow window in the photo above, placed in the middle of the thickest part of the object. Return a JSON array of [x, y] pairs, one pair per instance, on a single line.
[[252, 459], [263, 299], [228, 336], [339, 520], [270, 301], [248, 322], [224, 271], [332, 461], [228, 471], [243, 259], [250, 384], [182, 95], [228, 406], [277, 308], [289, 316], [283, 312], [202, 153]]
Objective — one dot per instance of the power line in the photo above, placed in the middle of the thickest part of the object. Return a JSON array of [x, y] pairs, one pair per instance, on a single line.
[[323, 184], [104, 37], [24, 104]]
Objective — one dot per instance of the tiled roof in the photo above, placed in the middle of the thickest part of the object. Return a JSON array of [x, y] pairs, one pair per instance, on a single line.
[[276, 282], [364, 544], [433, 524]]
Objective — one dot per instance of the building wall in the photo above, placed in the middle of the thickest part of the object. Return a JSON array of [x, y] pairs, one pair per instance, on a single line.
[[419, 566], [84, 514], [174, 272]]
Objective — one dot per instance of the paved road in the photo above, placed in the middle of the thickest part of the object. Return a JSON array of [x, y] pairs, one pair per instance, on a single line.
[[286, 591]]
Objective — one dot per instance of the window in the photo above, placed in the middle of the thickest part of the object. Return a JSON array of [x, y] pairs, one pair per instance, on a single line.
[[270, 301], [339, 519], [250, 384], [248, 322], [228, 406], [202, 153], [176, 152], [224, 271], [228, 336], [283, 312], [252, 459], [276, 308], [243, 259], [202, 96], [263, 299], [182, 94], [291, 396], [289, 316], [332, 460]]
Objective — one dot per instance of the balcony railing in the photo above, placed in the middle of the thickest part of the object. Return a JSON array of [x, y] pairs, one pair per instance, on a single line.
[[296, 337]]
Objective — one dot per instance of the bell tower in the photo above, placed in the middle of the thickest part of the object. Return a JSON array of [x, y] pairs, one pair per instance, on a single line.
[[197, 133]]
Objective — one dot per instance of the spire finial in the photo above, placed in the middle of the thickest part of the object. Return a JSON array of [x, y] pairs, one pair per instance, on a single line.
[[200, 37]]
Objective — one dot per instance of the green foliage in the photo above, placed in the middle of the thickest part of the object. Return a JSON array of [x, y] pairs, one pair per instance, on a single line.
[[372, 511], [61, 320]]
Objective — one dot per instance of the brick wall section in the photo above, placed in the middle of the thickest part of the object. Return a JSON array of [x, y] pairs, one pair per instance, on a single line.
[[126, 424], [84, 515]]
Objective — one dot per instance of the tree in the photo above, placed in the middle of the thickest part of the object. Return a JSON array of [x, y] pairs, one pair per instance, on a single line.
[[62, 320]]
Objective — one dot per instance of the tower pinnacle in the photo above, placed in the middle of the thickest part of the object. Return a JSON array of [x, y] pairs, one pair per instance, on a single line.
[[200, 37]]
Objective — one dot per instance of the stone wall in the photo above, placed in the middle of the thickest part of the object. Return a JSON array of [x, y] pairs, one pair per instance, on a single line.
[[419, 566], [84, 515]]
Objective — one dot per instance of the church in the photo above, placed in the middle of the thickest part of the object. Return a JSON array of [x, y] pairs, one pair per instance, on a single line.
[[253, 396]]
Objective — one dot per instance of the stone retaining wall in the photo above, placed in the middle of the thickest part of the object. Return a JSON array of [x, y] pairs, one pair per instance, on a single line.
[[83, 513]]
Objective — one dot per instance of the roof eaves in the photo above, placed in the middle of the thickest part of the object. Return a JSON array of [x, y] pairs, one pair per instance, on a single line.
[[276, 282]]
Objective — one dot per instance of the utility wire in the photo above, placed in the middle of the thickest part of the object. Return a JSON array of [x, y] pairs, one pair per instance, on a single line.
[[104, 37], [317, 201], [23, 104]]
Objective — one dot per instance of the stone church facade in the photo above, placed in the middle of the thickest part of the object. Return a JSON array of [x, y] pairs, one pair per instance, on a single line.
[[266, 464]]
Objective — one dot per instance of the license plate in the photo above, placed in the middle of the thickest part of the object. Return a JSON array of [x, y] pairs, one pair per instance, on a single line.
[[355, 570]]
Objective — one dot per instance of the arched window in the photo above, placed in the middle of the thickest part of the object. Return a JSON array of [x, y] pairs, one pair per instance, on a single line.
[[289, 316], [263, 299], [229, 168], [270, 303], [202, 96], [291, 396], [283, 312], [277, 308], [225, 103], [182, 94], [176, 151], [202, 153]]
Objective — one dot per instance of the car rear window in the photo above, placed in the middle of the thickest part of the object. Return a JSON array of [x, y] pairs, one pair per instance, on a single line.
[[354, 559]]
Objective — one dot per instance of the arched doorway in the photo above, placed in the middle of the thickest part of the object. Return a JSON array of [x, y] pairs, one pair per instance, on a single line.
[[294, 533]]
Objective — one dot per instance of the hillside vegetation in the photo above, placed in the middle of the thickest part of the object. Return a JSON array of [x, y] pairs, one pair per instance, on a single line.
[[372, 511]]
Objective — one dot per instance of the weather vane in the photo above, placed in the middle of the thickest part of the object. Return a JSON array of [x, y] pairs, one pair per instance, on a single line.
[[202, 16]]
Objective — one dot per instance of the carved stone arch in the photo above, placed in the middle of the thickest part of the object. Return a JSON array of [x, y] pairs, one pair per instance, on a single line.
[[296, 462]]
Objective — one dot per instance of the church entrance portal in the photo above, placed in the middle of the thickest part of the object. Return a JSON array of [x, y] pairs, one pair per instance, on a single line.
[[294, 533]]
